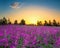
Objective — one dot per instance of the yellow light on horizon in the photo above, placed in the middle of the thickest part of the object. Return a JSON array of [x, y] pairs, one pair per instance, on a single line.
[[33, 14], [32, 20]]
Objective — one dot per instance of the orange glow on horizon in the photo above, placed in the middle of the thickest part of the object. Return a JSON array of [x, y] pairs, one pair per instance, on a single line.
[[33, 14]]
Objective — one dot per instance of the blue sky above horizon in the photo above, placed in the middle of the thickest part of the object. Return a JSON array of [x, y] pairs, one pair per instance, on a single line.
[[7, 6]]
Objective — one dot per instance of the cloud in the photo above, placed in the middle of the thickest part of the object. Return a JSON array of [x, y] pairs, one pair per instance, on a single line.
[[15, 5]]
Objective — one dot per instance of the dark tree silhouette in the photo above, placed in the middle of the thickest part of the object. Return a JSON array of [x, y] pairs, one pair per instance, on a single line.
[[4, 21], [46, 23], [15, 22], [22, 22], [1, 21], [50, 23], [54, 23], [39, 23], [9, 22], [58, 24]]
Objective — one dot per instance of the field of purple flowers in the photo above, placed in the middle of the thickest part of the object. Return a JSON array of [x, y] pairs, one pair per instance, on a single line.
[[16, 36]]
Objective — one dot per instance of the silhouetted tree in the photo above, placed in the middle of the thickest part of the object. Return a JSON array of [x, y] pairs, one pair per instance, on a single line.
[[54, 23], [22, 22], [46, 23], [15, 22], [1, 21], [58, 24], [49, 24], [39, 23], [9, 22], [4, 21]]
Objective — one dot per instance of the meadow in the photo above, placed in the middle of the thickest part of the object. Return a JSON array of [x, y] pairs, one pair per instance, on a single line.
[[22, 36]]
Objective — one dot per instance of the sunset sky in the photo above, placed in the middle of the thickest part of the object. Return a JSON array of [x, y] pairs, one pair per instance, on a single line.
[[30, 10]]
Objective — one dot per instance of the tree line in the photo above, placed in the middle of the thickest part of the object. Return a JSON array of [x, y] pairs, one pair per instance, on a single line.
[[49, 23], [4, 21]]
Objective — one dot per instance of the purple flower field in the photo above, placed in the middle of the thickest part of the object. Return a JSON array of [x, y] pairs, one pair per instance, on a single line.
[[16, 36]]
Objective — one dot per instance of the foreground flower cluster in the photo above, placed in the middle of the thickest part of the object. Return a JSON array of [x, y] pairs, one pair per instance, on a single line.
[[15, 36]]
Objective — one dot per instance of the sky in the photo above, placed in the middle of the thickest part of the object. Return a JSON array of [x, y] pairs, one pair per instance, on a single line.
[[30, 10]]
